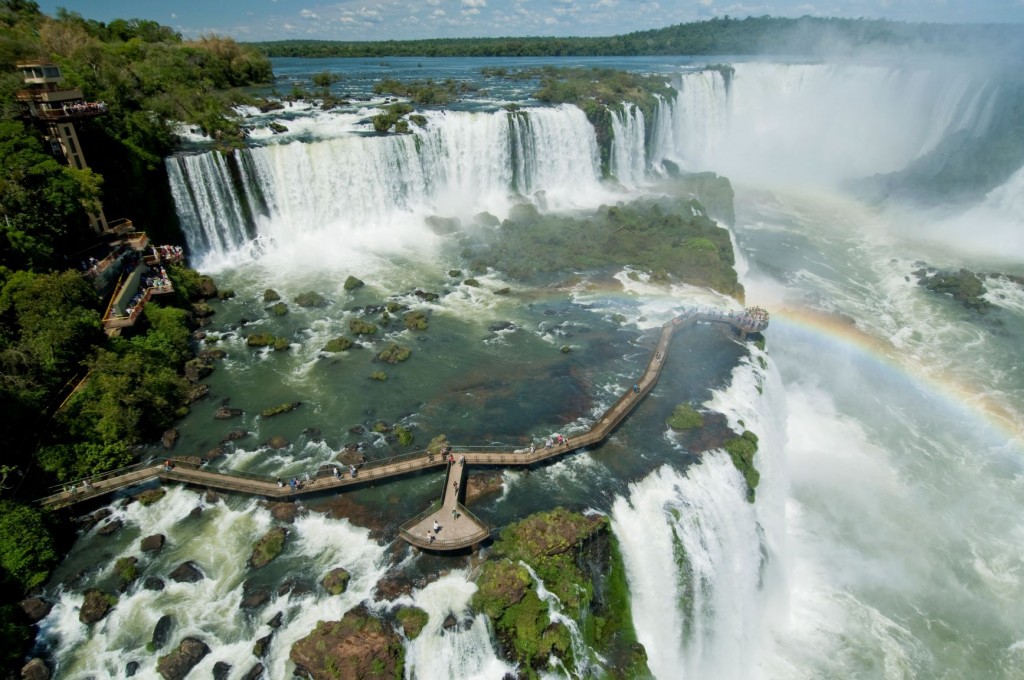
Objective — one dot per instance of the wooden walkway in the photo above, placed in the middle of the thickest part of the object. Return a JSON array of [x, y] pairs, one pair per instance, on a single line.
[[459, 529]]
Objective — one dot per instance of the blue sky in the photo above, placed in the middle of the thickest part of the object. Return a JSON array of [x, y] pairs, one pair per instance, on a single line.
[[401, 19]]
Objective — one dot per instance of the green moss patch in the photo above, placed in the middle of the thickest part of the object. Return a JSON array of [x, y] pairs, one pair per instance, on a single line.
[[685, 417], [742, 450], [279, 309], [310, 299], [338, 344], [412, 620], [279, 409], [394, 353], [361, 327]]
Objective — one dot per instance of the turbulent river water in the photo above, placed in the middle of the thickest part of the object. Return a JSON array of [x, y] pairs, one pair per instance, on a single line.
[[886, 538]]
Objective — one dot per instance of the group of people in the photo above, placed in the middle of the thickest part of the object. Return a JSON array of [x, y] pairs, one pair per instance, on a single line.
[[756, 317], [84, 107], [170, 253]]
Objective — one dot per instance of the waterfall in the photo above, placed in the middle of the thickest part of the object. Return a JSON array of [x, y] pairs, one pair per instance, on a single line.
[[703, 564], [628, 154], [820, 123], [356, 185]]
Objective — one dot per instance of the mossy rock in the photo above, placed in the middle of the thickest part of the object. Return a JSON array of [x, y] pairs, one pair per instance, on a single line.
[[336, 581], [281, 408], [338, 344], [268, 547], [310, 299], [357, 646], [404, 434], [271, 295], [361, 327], [260, 340], [226, 294], [151, 496], [565, 349], [412, 620], [394, 353], [379, 376], [380, 427], [685, 417], [418, 120], [472, 283], [279, 309], [455, 273], [501, 584], [393, 307], [544, 534], [281, 344], [503, 291], [742, 450], [127, 569], [443, 226], [351, 283], [415, 320], [438, 444]]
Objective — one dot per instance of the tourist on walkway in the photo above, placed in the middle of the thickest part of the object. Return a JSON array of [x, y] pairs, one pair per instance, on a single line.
[[437, 527]]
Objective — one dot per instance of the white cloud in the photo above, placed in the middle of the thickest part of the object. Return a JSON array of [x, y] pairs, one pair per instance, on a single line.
[[600, 4], [433, 3], [174, 15], [308, 14], [707, 3], [474, 3], [469, 12], [438, 13]]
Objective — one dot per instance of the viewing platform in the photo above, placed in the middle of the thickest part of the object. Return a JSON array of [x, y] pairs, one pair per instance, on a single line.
[[460, 529]]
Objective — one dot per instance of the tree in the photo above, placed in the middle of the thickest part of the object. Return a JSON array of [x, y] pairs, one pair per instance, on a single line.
[[26, 546]]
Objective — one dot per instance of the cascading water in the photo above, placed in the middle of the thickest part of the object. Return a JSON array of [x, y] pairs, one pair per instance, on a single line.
[[866, 119], [703, 562], [628, 153], [358, 186]]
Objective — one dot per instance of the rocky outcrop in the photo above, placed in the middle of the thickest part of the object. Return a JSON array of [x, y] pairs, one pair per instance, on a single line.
[[226, 412], [187, 572], [110, 527], [197, 369], [96, 605], [336, 581], [412, 620], [35, 670], [268, 547], [35, 608], [351, 283], [277, 442], [284, 512], [169, 439], [574, 556], [177, 664], [162, 631], [358, 646]]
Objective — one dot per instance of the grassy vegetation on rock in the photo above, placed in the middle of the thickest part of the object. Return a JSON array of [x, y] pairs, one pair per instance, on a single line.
[[742, 450], [685, 417], [673, 240], [338, 344]]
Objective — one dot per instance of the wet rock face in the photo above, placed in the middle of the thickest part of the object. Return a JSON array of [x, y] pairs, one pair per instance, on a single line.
[[177, 664], [97, 604], [358, 646], [162, 631], [187, 572], [153, 543], [35, 670], [35, 608]]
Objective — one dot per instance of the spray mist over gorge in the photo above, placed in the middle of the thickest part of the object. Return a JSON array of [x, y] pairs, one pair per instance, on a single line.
[[885, 536]]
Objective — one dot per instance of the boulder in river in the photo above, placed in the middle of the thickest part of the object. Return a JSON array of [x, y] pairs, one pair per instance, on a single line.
[[177, 664], [360, 645]]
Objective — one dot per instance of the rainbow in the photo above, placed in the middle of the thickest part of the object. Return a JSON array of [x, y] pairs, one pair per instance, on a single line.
[[957, 394]]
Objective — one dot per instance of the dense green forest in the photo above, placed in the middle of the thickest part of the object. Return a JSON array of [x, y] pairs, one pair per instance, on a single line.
[[50, 331], [751, 35]]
